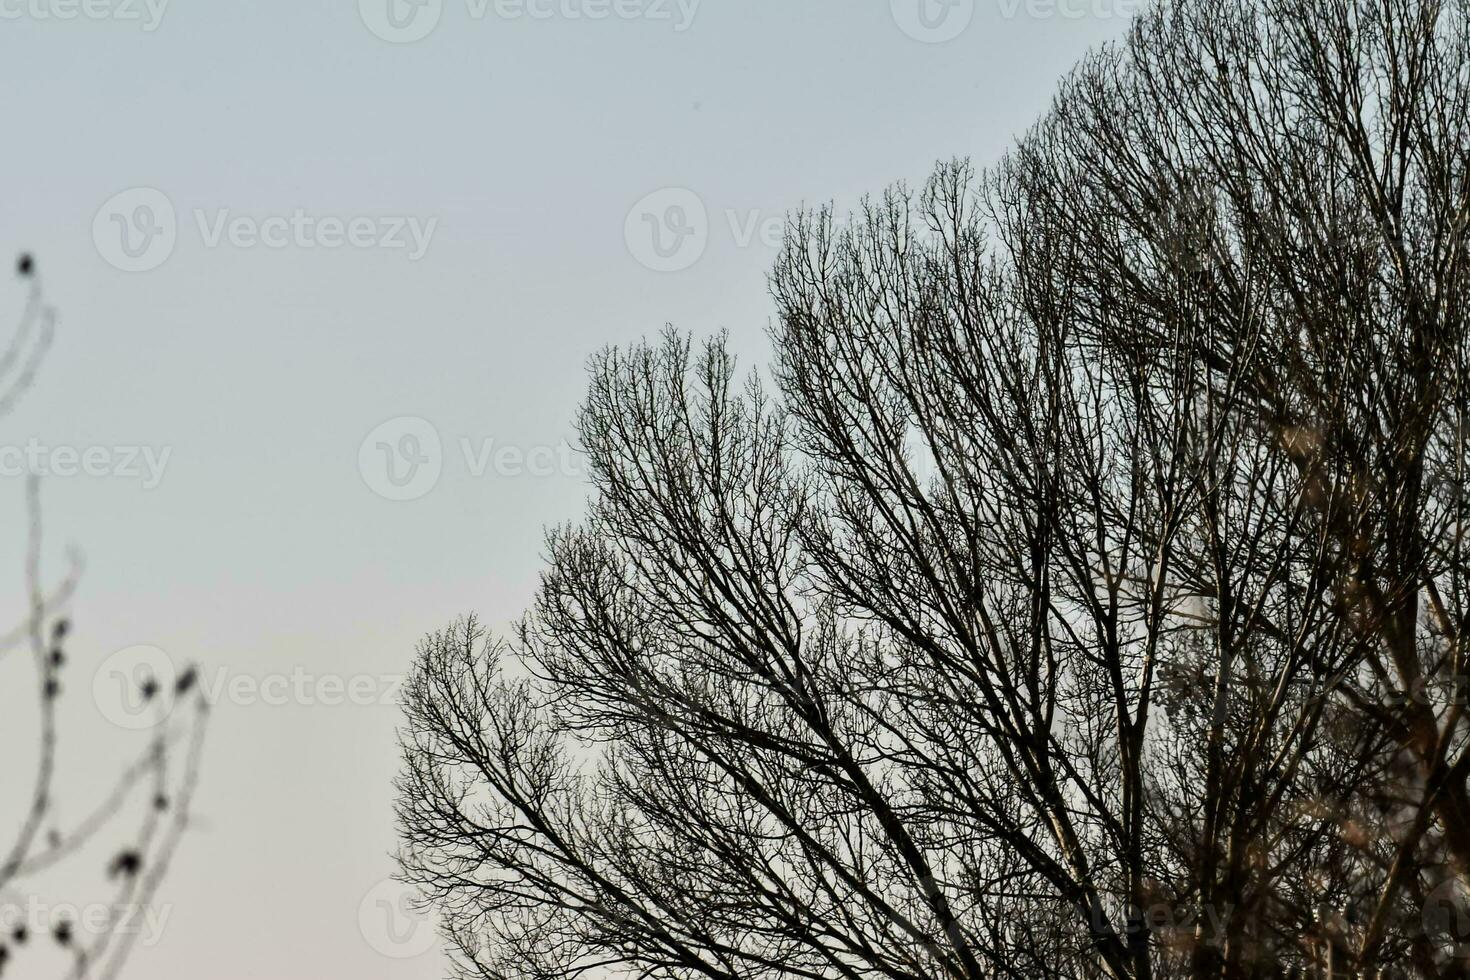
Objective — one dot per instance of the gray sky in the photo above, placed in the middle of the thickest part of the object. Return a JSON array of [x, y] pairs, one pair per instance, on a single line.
[[284, 338]]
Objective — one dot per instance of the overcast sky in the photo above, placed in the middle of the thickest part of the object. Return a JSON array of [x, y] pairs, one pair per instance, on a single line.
[[328, 275]]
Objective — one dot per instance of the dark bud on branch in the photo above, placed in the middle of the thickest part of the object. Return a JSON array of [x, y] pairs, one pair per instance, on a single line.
[[126, 864]]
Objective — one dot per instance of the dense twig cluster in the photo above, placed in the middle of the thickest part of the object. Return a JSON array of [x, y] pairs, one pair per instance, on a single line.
[[1087, 602]]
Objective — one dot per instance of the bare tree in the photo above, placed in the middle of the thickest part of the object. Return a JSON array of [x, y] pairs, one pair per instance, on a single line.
[[140, 817], [1085, 602]]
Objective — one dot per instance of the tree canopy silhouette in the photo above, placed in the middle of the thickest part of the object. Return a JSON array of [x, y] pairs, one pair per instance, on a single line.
[[1084, 596]]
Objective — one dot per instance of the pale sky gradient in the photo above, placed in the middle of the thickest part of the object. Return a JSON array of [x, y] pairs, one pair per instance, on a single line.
[[263, 549]]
